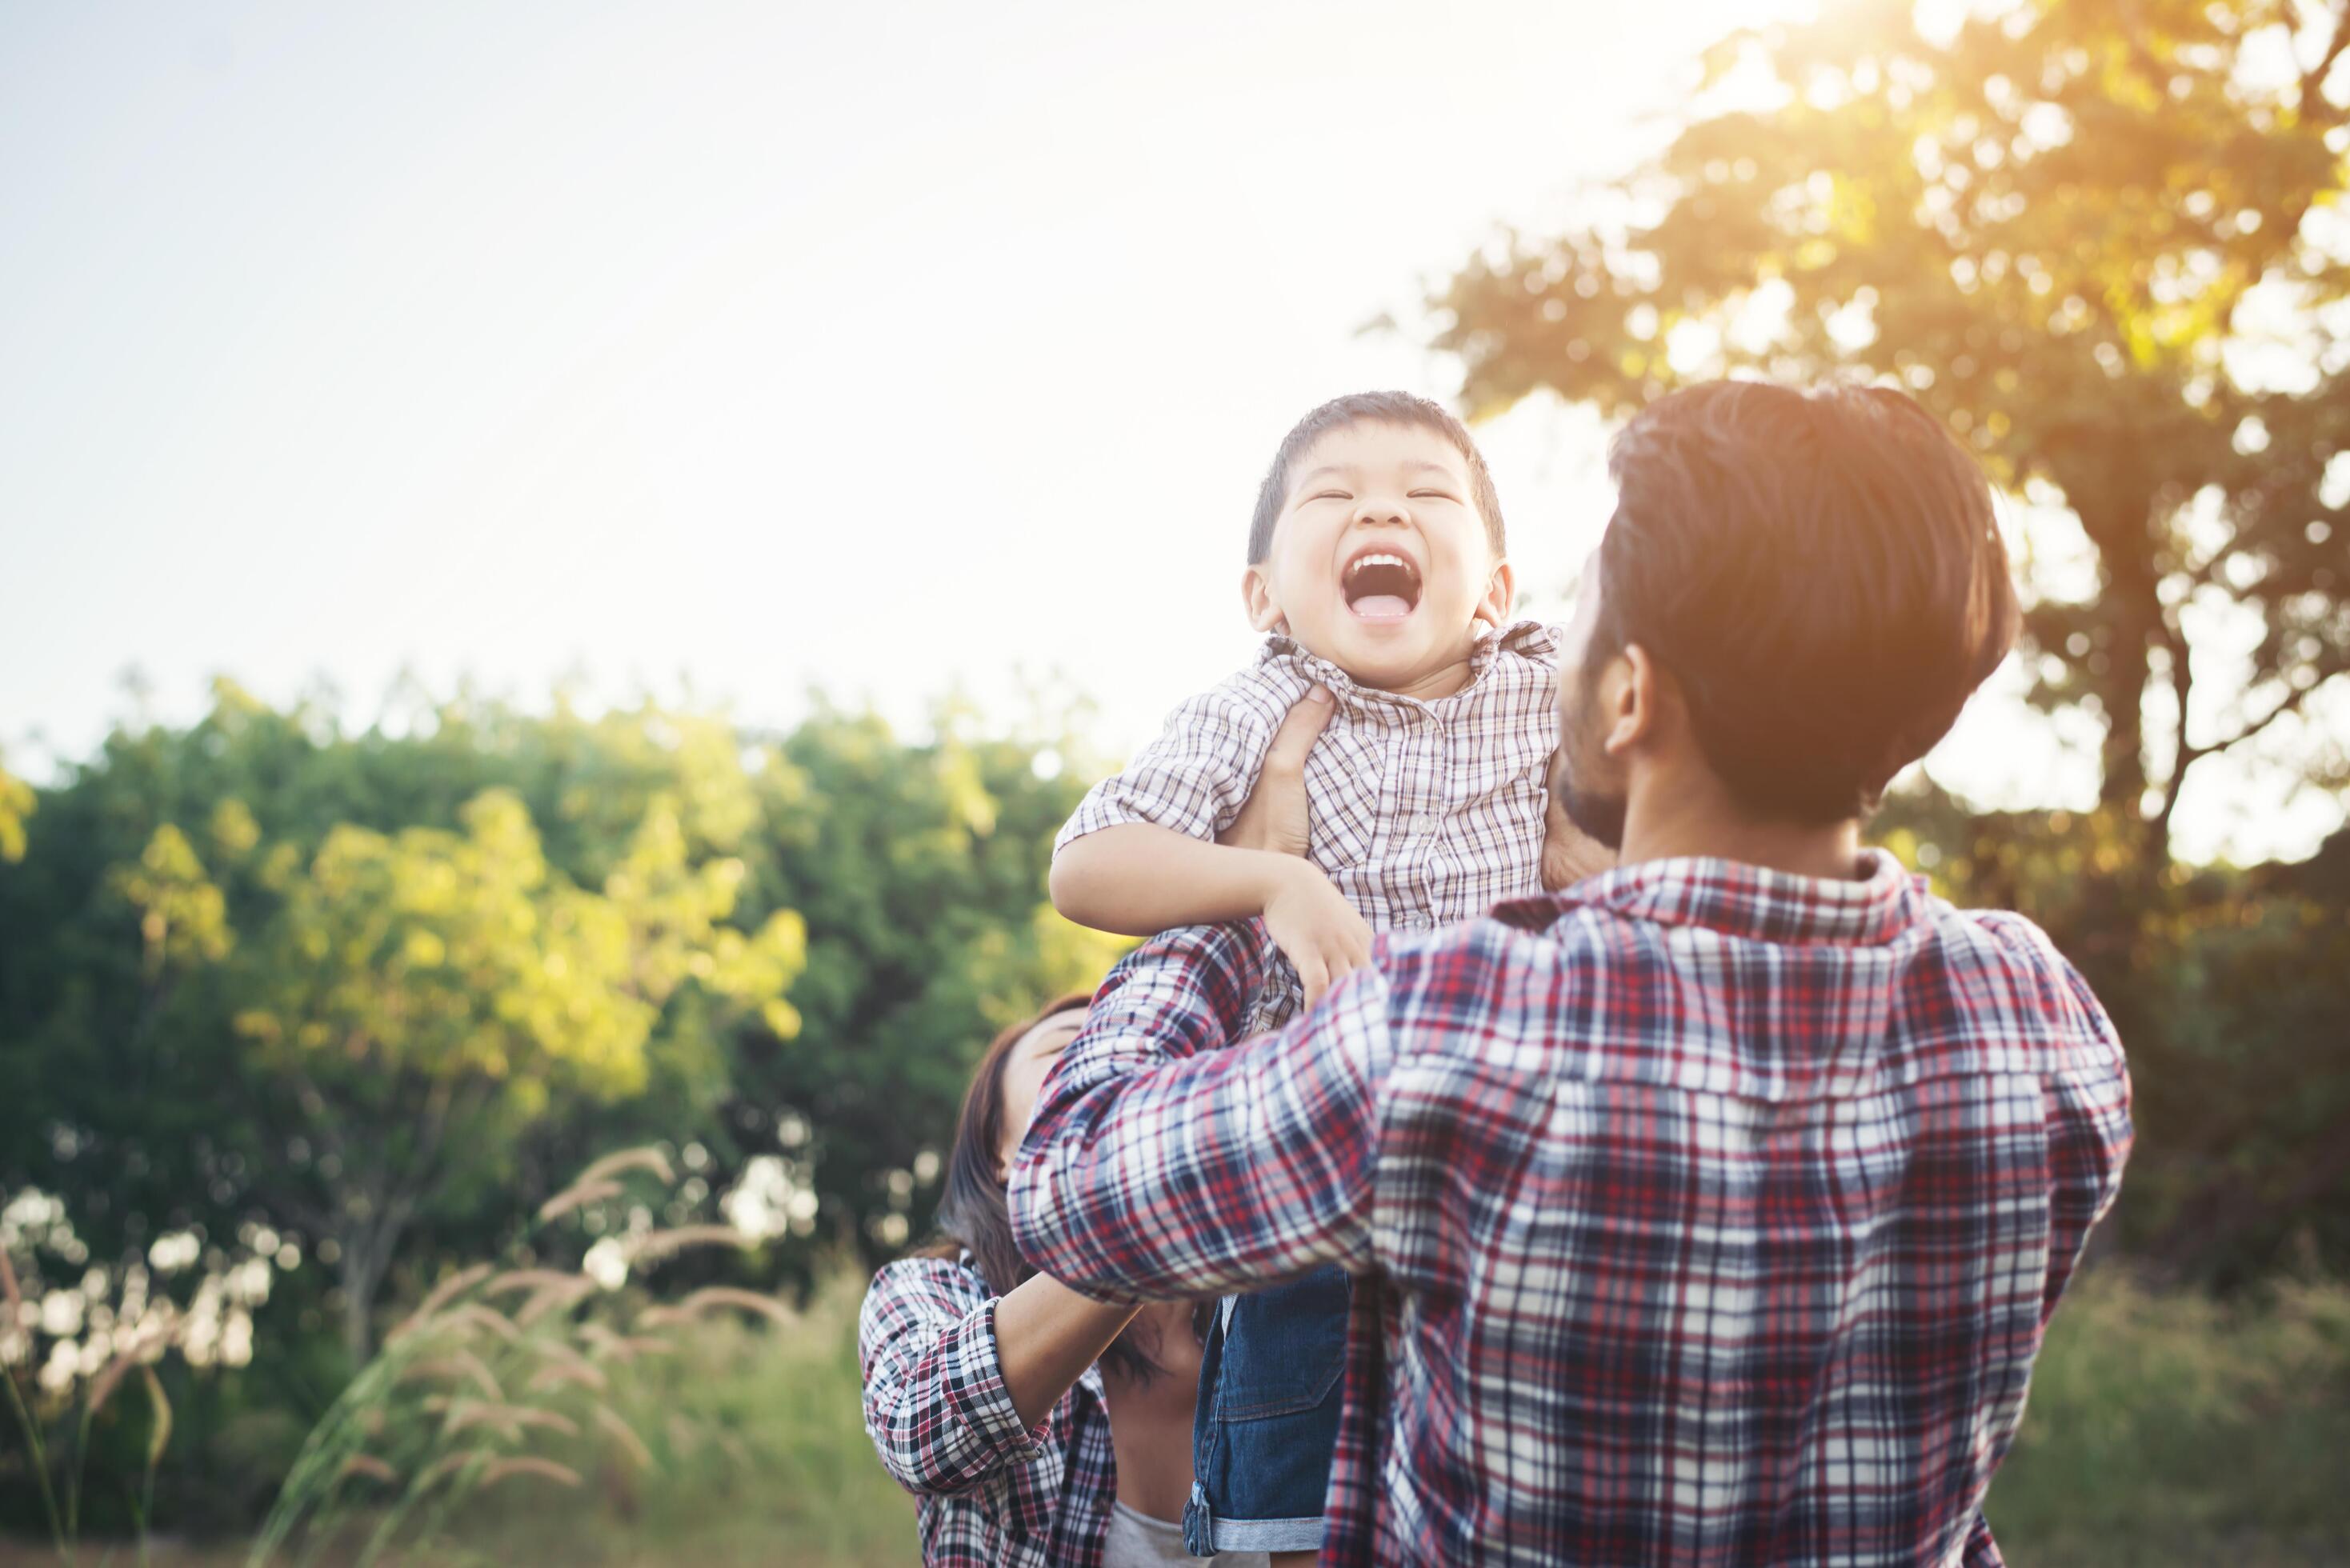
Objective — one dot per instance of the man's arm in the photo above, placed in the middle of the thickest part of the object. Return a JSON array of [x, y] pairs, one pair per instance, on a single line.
[[1160, 1165]]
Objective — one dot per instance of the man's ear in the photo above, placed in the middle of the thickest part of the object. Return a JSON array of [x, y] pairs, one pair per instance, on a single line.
[[1256, 597], [1501, 595], [1633, 691]]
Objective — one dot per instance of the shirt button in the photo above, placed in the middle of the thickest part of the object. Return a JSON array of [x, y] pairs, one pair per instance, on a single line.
[[1426, 823]]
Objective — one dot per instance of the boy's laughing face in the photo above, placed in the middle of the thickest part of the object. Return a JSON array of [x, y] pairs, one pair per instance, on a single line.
[[1380, 562]]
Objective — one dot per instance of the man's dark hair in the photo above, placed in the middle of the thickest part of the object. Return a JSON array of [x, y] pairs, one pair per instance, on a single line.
[[1821, 573], [1370, 408]]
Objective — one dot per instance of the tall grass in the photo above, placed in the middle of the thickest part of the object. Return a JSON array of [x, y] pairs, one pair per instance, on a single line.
[[2172, 1429], [776, 1467], [534, 1414]]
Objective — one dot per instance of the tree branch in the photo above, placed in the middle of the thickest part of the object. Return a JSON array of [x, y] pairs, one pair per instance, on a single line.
[[2312, 80], [2291, 704], [2183, 684]]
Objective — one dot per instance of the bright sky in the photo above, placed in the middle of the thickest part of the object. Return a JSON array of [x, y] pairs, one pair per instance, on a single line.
[[743, 348]]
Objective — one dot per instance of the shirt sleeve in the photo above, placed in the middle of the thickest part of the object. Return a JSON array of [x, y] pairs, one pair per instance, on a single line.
[[2090, 1132], [1162, 1163], [2087, 1094], [1196, 776], [935, 1402]]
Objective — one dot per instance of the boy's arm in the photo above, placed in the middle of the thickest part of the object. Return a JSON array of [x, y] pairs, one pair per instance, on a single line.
[[1138, 880]]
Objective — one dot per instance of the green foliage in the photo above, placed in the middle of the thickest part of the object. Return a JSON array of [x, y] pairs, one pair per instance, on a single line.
[[2171, 1428], [2101, 241], [368, 993], [15, 805], [920, 869]]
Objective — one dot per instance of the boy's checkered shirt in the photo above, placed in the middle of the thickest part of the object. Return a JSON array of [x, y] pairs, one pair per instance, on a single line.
[[1421, 813], [1703, 1214]]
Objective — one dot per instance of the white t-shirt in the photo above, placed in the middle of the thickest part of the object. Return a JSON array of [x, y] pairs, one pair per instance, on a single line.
[[1138, 1540]]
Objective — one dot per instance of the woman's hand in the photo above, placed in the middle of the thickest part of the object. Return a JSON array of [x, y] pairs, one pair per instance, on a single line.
[[1274, 818]]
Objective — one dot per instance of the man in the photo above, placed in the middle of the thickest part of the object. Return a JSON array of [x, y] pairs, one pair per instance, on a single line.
[[1711, 1211]]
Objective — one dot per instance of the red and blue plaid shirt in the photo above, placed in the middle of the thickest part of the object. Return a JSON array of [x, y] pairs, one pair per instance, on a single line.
[[1712, 1215], [989, 1490]]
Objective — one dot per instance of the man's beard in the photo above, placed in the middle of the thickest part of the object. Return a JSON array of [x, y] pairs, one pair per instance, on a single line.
[[1596, 813]]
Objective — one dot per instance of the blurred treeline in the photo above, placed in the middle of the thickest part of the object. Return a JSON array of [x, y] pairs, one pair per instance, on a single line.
[[343, 1009], [293, 1020]]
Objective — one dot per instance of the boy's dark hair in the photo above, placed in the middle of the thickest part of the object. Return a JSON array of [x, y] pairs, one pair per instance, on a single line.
[[1370, 408], [1821, 573]]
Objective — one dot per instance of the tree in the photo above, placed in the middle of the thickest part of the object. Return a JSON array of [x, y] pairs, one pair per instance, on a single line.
[[258, 969], [2100, 239], [262, 968], [15, 805], [918, 865], [418, 1000]]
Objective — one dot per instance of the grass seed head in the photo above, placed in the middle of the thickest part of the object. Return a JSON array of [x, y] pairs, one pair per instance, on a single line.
[[529, 1465]]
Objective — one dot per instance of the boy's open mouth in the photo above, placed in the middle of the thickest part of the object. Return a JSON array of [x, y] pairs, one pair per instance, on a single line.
[[1380, 584]]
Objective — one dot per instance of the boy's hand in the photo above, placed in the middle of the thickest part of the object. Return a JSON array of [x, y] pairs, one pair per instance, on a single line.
[[1274, 818], [1569, 854], [1309, 920]]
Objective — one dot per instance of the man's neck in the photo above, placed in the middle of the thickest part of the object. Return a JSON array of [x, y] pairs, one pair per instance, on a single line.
[[1700, 821]]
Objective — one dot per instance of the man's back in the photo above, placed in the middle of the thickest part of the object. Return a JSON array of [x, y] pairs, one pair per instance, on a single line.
[[1727, 1206], [1714, 1213]]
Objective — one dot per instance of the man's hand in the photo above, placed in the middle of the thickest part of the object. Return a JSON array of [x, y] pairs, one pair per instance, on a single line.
[[1569, 854], [1312, 923], [1306, 918], [1274, 818]]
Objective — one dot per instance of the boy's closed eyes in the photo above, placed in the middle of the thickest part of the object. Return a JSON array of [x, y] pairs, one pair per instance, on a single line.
[[1380, 562]]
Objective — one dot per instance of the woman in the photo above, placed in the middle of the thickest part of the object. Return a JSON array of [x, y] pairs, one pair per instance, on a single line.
[[1034, 1425]]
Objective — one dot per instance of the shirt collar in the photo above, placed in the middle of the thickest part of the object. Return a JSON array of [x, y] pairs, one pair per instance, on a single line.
[[1742, 901], [1530, 638]]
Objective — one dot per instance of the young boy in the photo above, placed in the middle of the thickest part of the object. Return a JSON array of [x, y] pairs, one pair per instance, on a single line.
[[1377, 568]]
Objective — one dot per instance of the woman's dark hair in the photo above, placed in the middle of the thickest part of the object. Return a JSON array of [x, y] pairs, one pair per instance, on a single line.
[[1820, 572], [973, 1217]]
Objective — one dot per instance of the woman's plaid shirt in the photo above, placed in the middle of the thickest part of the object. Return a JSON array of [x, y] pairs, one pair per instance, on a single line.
[[989, 1490], [1712, 1215], [1421, 813]]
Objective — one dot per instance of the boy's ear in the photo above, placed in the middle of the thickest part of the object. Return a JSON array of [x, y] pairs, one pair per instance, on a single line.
[[1256, 596], [1501, 595]]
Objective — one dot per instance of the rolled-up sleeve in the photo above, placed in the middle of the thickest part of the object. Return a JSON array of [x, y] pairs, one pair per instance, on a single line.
[[1196, 776], [935, 1402], [1161, 1166]]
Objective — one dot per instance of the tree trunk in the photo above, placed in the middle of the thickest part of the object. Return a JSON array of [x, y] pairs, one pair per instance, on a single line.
[[2123, 531], [360, 1283]]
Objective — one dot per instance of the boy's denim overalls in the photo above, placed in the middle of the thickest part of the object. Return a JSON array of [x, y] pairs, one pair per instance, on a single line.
[[1268, 1417]]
